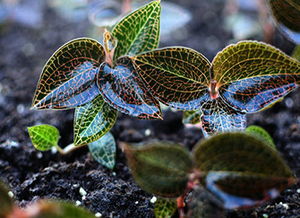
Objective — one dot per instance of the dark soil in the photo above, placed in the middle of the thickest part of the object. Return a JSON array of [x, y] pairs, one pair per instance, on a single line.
[[33, 175]]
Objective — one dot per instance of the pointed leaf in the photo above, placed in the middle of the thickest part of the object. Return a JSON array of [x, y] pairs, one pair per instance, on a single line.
[[6, 203], [251, 75], [104, 150], [68, 78], [261, 134], [160, 168], [57, 209], [165, 208], [287, 12], [242, 170], [139, 31], [122, 89], [43, 137], [176, 76], [93, 120]]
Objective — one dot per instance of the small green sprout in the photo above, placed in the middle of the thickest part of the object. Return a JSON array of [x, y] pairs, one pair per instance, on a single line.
[[237, 169]]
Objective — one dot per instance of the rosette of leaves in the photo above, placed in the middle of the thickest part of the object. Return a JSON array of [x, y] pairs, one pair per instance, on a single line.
[[238, 170], [243, 78], [98, 80], [40, 209]]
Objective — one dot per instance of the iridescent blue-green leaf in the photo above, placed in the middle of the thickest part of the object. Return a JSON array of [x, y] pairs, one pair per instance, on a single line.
[[93, 120], [165, 208], [43, 137], [139, 31], [123, 90], [68, 77], [104, 150], [160, 168]]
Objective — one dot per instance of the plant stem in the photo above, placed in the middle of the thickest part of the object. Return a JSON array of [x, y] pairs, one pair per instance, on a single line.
[[68, 149]]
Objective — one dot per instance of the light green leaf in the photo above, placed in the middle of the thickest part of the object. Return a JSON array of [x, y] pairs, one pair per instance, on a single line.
[[93, 120], [139, 31], [160, 168], [262, 134], [296, 53], [191, 117], [104, 150], [165, 208], [43, 137]]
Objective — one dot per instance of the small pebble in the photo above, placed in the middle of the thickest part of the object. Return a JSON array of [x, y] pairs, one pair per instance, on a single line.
[[153, 199], [136, 202], [78, 203], [10, 194], [82, 192], [286, 206], [83, 198], [265, 215], [98, 214], [114, 173], [75, 185], [147, 132], [298, 190], [39, 155], [53, 150]]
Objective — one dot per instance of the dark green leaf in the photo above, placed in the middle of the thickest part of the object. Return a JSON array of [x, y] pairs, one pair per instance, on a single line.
[[262, 134], [160, 168], [6, 203], [139, 31], [296, 53], [123, 90], [104, 150], [287, 12], [165, 208], [241, 169], [177, 76], [60, 209], [43, 137], [93, 120], [67, 80]]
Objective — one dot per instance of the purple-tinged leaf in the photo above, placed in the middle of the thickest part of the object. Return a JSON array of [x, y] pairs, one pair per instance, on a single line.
[[68, 78], [123, 90]]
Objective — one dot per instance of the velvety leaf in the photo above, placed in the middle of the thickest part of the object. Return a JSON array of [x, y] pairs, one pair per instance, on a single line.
[[176, 76], [68, 78], [160, 168], [261, 134], [58, 209], [139, 31], [287, 12], [240, 166], [122, 89], [43, 137], [218, 116], [6, 203], [191, 117], [93, 120], [104, 150], [251, 75], [165, 208]]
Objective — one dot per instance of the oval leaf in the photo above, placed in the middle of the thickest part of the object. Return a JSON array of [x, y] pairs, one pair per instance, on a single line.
[[123, 90], [143, 35], [165, 208], [43, 137], [104, 150], [176, 76], [262, 134], [93, 120], [240, 165], [58, 209], [68, 78], [160, 168], [6, 203], [252, 75]]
